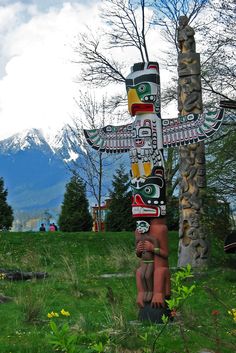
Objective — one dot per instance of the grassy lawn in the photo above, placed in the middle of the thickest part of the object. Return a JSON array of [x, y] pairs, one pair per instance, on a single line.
[[103, 308]]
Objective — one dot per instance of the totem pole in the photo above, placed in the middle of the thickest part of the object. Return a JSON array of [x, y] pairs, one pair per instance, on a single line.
[[193, 245], [148, 186], [145, 139]]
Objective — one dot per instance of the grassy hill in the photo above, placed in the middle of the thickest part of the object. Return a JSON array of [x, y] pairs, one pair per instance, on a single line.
[[93, 277]]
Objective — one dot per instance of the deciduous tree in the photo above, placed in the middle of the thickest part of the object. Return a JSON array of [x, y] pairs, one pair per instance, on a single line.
[[92, 166]]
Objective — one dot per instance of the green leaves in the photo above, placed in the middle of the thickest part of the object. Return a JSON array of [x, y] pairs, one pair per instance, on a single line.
[[144, 337], [98, 347], [54, 328], [61, 337], [165, 319], [180, 291]]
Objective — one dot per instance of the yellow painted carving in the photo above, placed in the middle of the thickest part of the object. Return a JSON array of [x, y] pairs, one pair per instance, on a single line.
[[135, 170], [147, 168]]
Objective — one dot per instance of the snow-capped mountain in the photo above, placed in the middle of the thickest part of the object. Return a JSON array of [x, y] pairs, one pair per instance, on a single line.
[[27, 139], [62, 143], [33, 168]]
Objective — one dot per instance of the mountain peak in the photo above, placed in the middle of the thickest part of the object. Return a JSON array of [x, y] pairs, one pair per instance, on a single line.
[[62, 143], [65, 143], [26, 139]]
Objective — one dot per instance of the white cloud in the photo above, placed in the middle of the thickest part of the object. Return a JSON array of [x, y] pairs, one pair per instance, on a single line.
[[37, 76], [37, 88]]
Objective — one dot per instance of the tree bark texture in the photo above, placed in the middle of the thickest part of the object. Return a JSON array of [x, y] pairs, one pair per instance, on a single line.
[[193, 244]]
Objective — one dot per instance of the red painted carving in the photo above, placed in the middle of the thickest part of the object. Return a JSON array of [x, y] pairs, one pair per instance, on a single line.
[[153, 275]]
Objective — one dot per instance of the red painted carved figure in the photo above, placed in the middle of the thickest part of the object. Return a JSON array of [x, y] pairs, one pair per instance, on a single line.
[[153, 276]]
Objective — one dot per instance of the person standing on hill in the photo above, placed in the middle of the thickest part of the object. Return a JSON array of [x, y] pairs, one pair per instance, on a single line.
[[42, 228], [55, 226], [52, 228]]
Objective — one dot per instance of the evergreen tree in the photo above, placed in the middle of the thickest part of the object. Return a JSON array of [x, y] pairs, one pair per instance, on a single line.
[[75, 214], [120, 216], [6, 212]]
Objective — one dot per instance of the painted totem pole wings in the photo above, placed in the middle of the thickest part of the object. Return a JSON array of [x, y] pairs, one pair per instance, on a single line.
[[110, 139], [191, 128]]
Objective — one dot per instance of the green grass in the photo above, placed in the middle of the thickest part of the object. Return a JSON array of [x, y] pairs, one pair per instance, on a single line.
[[103, 308]]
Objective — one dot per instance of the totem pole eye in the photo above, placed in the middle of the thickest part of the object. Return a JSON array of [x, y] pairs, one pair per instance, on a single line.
[[142, 88], [148, 190]]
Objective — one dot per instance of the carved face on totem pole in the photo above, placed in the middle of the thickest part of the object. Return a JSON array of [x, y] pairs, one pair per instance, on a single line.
[[142, 227], [148, 198], [147, 165], [143, 89]]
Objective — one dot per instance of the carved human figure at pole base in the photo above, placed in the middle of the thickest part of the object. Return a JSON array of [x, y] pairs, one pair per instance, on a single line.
[[146, 253], [153, 276]]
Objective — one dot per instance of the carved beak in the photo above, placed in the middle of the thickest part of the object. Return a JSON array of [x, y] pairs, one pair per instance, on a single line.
[[135, 106], [132, 99]]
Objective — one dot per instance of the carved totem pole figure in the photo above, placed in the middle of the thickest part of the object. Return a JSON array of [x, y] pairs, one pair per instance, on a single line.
[[145, 139], [193, 245], [148, 185]]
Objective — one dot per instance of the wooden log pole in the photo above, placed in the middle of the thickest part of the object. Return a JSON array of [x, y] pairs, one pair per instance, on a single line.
[[193, 242]]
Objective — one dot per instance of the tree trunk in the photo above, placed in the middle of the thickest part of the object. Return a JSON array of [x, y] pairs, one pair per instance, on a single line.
[[193, 244]]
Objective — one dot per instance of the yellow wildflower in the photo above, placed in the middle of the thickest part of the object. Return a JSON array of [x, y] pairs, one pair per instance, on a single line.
[[2, 275], [233, 313], [65, 313], [52, 314]]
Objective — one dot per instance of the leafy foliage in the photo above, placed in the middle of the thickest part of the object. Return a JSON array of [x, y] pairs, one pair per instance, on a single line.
[[173, 213], [61, 338], [222, 164], [120, 216], [6, 212], [93, 166], [216, 214], [75, 214], [180, 292]]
